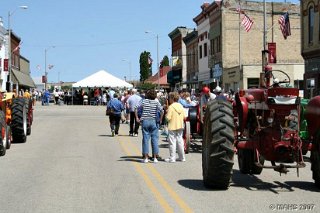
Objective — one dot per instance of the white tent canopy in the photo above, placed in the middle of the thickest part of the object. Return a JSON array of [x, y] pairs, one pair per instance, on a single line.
[[102, 79]]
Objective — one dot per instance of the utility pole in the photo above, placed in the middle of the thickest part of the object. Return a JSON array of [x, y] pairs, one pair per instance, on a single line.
[[45, 66], [9, 47]]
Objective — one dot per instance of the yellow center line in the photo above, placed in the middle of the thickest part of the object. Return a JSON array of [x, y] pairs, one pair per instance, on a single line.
[[169, 189], [164, 204], [162, 181]]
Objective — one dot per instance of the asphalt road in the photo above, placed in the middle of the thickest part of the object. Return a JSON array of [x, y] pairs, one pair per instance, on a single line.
[[71, 164]]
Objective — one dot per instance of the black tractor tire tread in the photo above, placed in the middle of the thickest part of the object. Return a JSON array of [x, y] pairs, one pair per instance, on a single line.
[[8, 136], [217, 152], [29, 116], [315, 161], [17, 129]]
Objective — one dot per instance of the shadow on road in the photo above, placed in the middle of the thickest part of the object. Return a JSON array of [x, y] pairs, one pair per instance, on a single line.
[[193, 184], [105, 136], [303, 185], [131, 158], [253, 183]]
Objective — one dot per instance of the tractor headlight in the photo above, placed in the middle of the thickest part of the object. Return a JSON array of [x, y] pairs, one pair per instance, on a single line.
[[270, 120]]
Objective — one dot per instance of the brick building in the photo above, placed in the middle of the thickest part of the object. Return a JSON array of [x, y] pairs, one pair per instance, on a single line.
[[179, 55], [232, 57], [191, 41], [310, 46]]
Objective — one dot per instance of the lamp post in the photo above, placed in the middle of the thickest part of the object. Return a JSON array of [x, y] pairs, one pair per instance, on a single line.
[[157, 37], [129, 62], [9, 45], [45, 66]]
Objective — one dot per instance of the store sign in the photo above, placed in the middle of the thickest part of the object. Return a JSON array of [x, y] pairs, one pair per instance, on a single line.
[[217, 71], [272, 55]]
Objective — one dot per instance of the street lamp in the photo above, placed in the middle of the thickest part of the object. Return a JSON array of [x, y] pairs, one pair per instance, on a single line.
[[45, 66], [9, 44], [157, 36], [129, 62]]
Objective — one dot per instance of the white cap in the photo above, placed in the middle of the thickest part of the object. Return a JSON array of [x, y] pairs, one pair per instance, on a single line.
[[217, 89]]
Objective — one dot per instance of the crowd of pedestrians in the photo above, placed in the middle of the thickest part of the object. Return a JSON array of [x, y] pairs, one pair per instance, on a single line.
[[148, 112], [144, 111]]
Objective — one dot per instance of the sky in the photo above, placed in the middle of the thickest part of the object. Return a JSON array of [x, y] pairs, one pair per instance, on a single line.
[[82, 37]]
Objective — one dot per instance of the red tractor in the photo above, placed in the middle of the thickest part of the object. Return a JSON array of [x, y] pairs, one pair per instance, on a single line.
[[192, 127], [262, 124], [16, 117]]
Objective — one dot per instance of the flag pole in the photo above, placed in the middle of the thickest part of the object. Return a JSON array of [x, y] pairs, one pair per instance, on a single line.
[[264, 51], [240, 59]]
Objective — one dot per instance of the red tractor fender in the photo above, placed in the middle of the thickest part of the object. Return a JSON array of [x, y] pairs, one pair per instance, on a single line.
[[241, 111]]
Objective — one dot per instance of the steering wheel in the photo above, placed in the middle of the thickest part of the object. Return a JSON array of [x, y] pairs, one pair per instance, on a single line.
[[286, 80]]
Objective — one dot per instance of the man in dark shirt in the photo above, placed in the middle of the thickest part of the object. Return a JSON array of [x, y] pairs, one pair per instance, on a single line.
[[116, 107]]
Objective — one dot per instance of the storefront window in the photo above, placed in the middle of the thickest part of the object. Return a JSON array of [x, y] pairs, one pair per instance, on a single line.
[[253, 83], [311, 23]]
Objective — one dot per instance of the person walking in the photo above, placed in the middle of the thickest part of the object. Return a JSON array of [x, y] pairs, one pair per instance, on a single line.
[[114, 117], [175, 117], [132, 102], [27, 94], [150, 128]]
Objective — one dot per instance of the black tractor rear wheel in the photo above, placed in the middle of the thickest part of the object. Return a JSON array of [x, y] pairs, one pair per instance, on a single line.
[[315, 161], [19, 120], [217, 148], [8, 137], [29, 115]]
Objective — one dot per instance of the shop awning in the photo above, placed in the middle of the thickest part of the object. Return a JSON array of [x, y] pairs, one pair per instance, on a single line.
[[23, 79]]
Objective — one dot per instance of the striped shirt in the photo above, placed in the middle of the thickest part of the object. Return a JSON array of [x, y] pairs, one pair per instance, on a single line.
[[150, 108]]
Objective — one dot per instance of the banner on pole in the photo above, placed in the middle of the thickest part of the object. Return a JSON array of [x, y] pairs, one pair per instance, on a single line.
[[6, 65], [44, 79], [272, 57]]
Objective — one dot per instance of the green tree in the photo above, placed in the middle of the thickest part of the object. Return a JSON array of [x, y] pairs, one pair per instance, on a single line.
[[165, 61], [145, 66], [146, 86]]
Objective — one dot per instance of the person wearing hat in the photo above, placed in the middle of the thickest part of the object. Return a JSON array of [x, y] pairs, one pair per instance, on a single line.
[[219, 94], [206, 96]]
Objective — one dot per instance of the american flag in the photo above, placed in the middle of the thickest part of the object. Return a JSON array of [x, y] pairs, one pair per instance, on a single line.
[[246, 23], [285, 25], [17, 47]]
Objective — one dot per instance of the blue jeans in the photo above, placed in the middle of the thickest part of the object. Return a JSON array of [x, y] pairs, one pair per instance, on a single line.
[[150, 130]]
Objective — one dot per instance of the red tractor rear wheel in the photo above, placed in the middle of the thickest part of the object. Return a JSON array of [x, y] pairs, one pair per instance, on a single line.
[[19, 120], [217, 145], [315, 161]]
